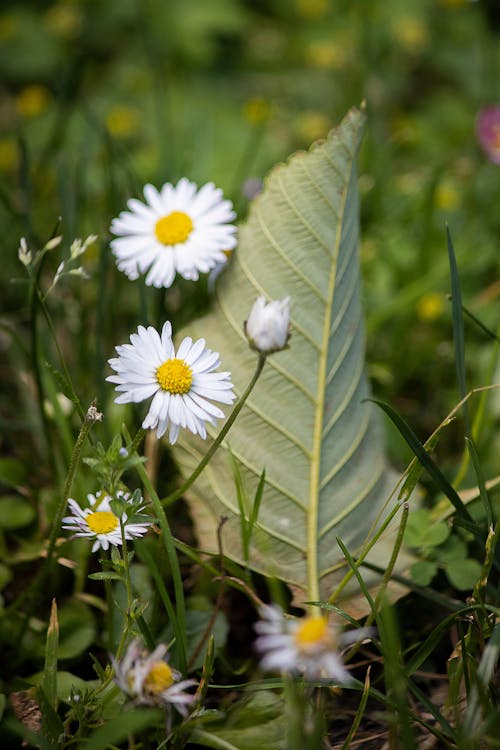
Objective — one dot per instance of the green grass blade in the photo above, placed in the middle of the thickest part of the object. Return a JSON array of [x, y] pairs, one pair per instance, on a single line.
[[432, 469], [483, 493], [458, 329], [49, 681], [396, 684]]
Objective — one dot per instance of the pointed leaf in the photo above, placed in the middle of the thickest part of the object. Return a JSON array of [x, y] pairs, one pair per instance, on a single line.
[[306, 422]]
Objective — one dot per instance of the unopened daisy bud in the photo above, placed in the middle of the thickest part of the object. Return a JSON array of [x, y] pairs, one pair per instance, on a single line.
[[268, 326], [23, 253]]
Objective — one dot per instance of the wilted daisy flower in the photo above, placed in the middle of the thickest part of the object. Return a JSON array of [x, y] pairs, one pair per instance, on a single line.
[[178, 230], [148, 679], [99, 522], [268, 326], [308, 646], [180, 384]]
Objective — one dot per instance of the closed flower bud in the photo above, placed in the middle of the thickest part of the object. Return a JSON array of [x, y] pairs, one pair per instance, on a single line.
[[268, 326]]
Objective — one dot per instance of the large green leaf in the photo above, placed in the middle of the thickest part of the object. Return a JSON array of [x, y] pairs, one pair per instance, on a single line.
[[306, 421]]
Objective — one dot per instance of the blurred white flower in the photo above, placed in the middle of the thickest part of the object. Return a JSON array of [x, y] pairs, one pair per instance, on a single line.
[[99, 522], [268, 326], [309, 646], [148, 679], [23, 253], [178, 230], [180, 384]]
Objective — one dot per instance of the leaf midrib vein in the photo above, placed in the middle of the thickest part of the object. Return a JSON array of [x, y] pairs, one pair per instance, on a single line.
[[312, 530]]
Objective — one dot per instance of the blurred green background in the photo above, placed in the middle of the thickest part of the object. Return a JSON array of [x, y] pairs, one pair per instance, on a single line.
[[99, 97]]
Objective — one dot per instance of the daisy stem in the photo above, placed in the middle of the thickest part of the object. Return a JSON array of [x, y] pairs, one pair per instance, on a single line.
[[220, 437], [126, 570], [137, 440], [91, 417], [178, 622]]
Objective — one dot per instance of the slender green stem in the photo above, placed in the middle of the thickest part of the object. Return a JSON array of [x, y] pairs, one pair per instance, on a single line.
[[67, 376], [31, 593], [137, 440], [91, 417], [179, 492], [179, 622], [126, 568], [36, 365]]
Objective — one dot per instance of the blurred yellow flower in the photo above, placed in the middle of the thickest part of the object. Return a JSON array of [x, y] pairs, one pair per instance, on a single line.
[[327, 55], [256, 111], [8, 27], [122, 121], [312, 8], [405, 129], [447, 197], [430, 306], [312, 125], [64, 19], [32, 100], [410, 32], [8, 154]]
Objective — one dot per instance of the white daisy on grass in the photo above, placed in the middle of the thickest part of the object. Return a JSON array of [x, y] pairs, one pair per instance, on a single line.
[[148, 679], [180, 384], [308, 646], [99, 522], [178, 230]]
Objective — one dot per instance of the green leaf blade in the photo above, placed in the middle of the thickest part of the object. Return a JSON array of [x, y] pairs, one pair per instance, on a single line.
[[306, 422]]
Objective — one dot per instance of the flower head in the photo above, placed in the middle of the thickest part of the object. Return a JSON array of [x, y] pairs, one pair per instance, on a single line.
[[309, 646], [99, 522], [180, 383], [149, 679], [178, 230], [268, 326], [488, 132]]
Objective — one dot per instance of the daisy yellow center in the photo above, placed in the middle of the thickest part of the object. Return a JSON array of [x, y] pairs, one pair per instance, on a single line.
[[174, 376], [102, 521], [159, 678], [173, 228], [311, 632]]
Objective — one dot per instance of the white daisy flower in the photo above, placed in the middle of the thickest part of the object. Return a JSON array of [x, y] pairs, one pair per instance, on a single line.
[[148, 679], [178, 230], [308, 646], [180, 384], [268, 326], [99, 522]]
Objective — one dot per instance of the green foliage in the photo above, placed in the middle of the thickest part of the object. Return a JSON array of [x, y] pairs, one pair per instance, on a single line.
[[15, 512], [256, 722], [99, 98], [440, 550]]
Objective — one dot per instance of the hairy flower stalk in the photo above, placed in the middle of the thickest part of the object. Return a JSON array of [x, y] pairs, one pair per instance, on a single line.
[[220, 437]]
